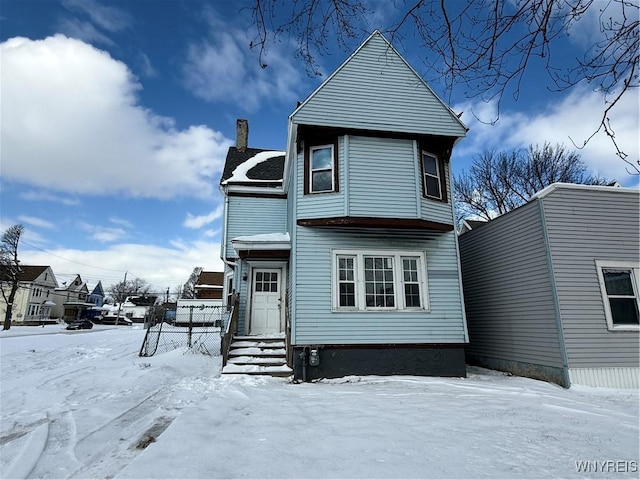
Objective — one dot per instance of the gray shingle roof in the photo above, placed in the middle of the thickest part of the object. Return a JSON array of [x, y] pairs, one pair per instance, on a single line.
[[271, 169]]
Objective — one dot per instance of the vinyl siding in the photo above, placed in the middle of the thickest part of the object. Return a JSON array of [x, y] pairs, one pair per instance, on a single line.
[[434, 210], [315, 323], [378, 177], [243, 296], [376, 90], [584, 226], [508, 290], [253, 216], [382, 178], [321, 205]]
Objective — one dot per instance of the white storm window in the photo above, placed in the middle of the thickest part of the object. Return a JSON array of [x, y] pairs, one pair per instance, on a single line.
[[619, 288], [321, 176], [379, 280]]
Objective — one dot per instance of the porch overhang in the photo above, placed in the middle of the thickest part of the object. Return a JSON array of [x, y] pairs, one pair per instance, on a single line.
[[270, 245], [77, 304], [376, 222]]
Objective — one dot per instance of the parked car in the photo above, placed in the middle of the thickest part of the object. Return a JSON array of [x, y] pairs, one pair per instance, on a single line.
[[80, 325]]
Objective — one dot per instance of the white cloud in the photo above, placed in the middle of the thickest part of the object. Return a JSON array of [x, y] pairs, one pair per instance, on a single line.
[[85, 31], [109, 265], [223, 68], [120, 221], [199, 221], [70, 113], [573, 118], [35, 222], [109, 18], [103, 234], [37, 196], [589, 28]]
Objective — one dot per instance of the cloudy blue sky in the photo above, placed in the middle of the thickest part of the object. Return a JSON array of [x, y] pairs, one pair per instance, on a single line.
[[116, 117]]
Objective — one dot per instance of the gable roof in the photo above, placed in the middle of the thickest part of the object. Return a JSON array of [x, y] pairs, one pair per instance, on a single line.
[[209, 279], [98, 290], [30, 273], [468, 225], [266, 173], [376, 89], [74, 285]]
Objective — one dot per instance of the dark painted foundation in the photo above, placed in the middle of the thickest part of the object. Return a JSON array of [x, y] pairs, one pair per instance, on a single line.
[[521, 369], [342, 360]]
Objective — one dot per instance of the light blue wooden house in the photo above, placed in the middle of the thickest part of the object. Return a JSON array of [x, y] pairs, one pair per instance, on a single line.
[[341, 250]]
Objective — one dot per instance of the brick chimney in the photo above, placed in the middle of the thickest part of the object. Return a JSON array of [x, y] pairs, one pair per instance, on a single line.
[[242, 134]]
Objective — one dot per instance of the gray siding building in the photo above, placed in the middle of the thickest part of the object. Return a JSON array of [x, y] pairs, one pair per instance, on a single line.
[[551, 288]]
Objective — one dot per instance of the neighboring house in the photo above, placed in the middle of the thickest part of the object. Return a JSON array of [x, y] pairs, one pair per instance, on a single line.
[[344, 245], [96, 297], [138, 308], [34, 297], [71, 300], [467, 225], [551, 288], [209, 285]]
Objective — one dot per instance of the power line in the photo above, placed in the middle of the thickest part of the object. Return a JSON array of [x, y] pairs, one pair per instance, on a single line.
[[68, 260]]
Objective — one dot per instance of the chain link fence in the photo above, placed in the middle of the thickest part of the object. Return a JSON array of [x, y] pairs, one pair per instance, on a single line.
[[196, 327]]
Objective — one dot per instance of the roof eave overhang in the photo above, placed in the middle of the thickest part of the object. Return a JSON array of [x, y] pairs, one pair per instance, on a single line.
[[239, 245], [237, 188], [376, 222]]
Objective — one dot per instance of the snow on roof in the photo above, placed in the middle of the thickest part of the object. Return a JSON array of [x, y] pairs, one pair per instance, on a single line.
[[578, 186], [264, 237], [239, 174]]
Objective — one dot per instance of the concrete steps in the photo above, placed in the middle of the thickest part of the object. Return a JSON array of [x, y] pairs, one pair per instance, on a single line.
[[258, 355]]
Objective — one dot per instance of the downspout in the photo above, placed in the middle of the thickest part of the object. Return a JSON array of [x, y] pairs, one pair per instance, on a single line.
[[554, 294]]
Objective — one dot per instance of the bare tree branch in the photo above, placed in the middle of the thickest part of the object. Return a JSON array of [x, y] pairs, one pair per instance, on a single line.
[[499, 182], [10, 270], [485, 47]]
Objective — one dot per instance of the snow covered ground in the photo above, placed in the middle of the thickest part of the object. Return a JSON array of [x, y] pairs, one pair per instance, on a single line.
[[82, 404]]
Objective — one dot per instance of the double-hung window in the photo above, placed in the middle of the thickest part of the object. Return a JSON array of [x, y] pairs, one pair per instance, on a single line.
[[379, 280], [432, 176], [321, 169], [619, 288]]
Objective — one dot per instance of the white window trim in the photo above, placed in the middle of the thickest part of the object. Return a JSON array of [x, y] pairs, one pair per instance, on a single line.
[[635, 280], [312, 170], [398, 282], [226, 293]]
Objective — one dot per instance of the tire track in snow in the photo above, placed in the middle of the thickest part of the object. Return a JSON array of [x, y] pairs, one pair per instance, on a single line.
[[56, 459], [119, 437]]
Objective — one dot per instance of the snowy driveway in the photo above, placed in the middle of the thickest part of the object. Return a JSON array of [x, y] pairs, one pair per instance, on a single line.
[[83, 404]]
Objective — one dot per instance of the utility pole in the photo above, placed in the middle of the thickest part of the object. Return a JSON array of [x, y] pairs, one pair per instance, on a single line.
[[124, 283]]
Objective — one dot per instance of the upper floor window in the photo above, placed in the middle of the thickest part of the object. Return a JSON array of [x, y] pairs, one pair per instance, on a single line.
[[619, 288], [321, 166], [432, 176]]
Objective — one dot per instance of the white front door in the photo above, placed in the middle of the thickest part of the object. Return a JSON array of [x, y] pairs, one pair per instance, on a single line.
[[266, 301]]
